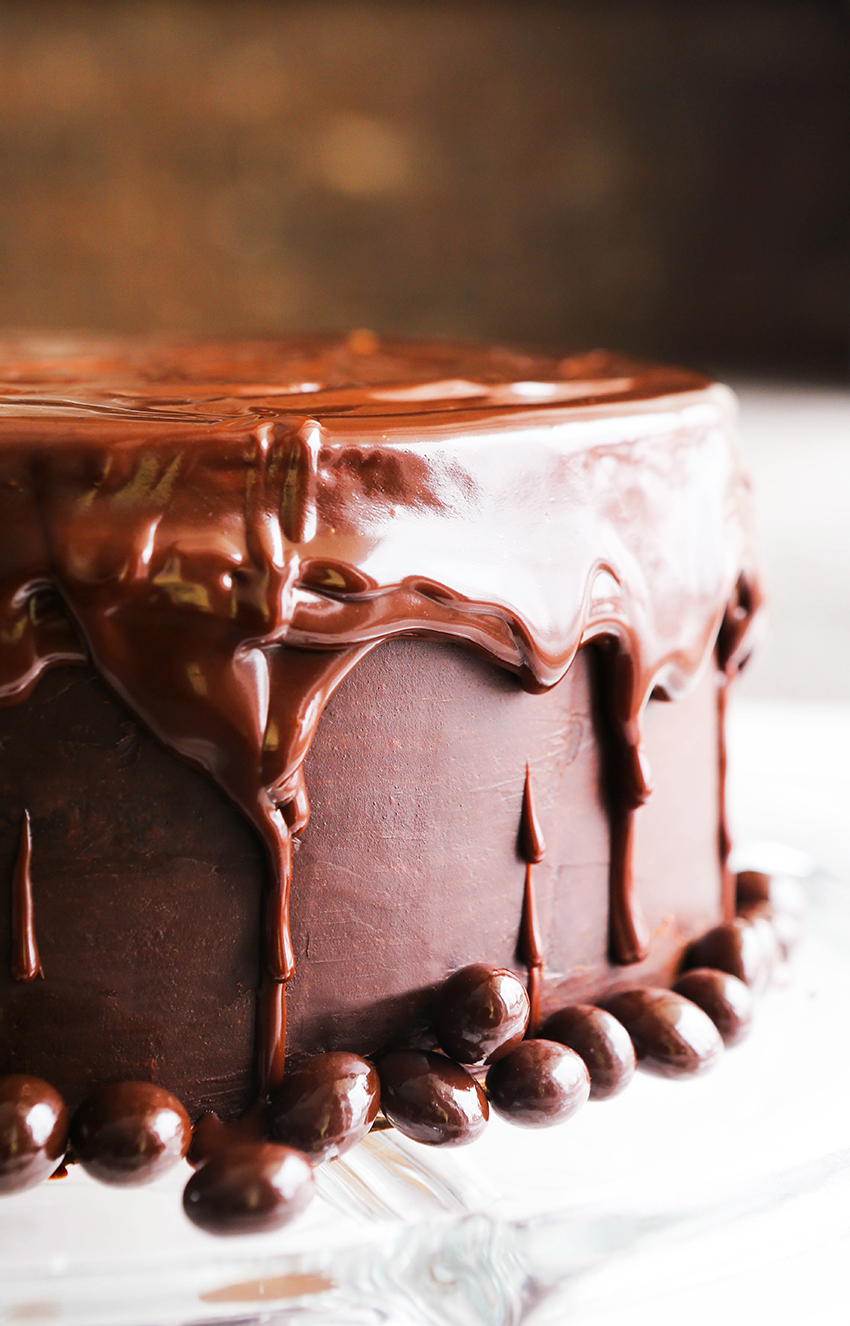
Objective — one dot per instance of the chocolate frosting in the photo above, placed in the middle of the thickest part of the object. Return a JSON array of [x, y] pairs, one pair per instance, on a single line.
[[225, 530]]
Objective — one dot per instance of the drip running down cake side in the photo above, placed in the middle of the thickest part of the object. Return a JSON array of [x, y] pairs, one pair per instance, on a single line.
[[330, 669]]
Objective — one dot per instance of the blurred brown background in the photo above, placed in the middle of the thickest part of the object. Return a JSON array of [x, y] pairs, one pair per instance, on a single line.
[[672, 179]]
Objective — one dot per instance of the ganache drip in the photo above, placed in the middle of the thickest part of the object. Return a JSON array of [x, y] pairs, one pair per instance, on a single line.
[[530, 947], [225, 531], [25, 964], [735, 642], [532, 844]]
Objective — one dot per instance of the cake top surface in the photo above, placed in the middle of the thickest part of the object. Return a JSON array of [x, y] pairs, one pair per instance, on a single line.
[[218, 382]]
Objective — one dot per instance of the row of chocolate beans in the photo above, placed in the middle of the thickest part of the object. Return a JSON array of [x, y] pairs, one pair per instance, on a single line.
[[123, 1133], [722, 971], [480, 1018], [764, 933], [584, 1052], [130, 1133], [481, 1014], [328, 1102], [256, 1173]]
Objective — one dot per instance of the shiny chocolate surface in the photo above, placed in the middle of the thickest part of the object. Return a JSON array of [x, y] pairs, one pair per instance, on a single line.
[[225, 530], [745, 947], [211, 1134], [782, 892], [778, 898], [26, 963], [788, 927]]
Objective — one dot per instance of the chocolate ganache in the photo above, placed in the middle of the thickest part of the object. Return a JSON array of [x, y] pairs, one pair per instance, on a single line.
[[221, 533]]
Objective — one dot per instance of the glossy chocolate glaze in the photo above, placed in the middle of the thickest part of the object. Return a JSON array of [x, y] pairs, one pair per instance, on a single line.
[[225, 531], [530, 947], [532, 842]]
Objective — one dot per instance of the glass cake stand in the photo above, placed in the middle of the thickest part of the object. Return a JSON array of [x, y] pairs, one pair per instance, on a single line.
[[677, 1201]]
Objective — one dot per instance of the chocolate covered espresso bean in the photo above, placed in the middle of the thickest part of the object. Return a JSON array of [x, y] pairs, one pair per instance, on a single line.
[[743, 948], [672, 1036], [725, 999], [325, 1104], [782, 893], [480, 1014], [779, 899], [130, 1133], [431, 1099], [33, 1131], [601, 1041], [538, 1084], [249, 1188]]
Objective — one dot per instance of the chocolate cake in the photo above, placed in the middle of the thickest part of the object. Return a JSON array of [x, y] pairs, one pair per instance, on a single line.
[[330, 668]]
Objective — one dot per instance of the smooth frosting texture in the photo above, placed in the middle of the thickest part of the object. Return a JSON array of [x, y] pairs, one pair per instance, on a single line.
[[224, 530]]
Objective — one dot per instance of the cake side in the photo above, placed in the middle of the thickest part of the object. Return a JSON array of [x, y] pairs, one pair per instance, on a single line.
[[225, 557], [146, 889], [146, 883]]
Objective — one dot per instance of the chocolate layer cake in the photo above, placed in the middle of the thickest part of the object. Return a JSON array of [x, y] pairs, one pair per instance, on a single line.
[[448, 593]]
